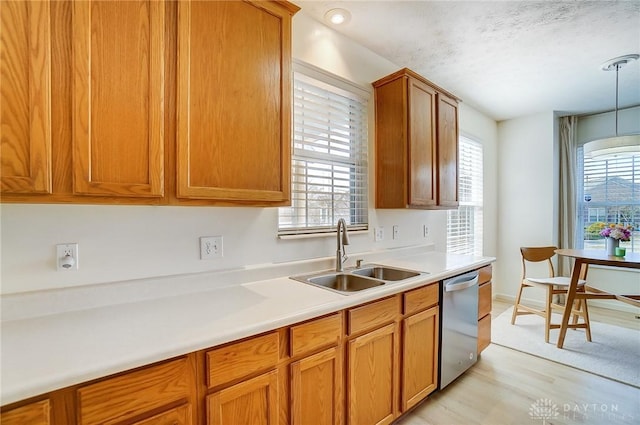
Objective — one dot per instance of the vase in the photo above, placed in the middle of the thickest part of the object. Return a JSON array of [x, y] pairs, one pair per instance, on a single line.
[[612, 244]]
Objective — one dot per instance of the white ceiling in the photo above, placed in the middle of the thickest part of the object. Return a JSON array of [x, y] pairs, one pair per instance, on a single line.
[[505, 58]]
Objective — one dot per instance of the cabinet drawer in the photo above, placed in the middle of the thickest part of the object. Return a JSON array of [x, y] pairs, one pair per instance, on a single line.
[[32, 414], [234, 361], [375, 314], [318, 333], [484, 333], [421, 298], [123, 397], [485, 274], [484, 300], [178, 416]]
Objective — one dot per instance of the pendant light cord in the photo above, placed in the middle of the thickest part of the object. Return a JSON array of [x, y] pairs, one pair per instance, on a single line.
[[617, 69]]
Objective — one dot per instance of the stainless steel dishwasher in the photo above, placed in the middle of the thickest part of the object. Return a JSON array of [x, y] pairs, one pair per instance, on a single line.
[[459, 335]]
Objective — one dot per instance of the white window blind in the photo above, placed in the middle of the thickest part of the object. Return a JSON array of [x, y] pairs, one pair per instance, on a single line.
[[608, 192], [329, 156], [464, 225]]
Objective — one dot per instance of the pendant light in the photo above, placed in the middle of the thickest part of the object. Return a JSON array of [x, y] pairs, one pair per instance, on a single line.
[[616, 146]]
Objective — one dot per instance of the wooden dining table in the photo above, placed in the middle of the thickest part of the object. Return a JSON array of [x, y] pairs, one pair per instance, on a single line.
[[583, 259]]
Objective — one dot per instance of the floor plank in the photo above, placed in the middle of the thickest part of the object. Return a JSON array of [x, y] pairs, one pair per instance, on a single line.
[[510, 387]]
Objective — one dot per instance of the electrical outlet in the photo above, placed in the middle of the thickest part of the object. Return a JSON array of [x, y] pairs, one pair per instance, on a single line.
[[378, 234], [395, 231], [425, 231], [210, 247], [67, 256]]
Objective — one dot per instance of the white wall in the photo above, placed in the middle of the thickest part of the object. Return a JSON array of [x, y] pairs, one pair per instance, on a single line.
[[129, 242], [528, 181]]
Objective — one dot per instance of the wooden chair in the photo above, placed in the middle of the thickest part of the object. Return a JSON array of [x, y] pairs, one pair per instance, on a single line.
[[553, 285]]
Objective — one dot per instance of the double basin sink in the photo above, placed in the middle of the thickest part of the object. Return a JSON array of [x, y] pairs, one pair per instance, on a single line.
[[357, 279]]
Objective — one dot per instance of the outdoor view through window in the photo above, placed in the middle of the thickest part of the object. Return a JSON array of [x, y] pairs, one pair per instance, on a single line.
[[608, 192]]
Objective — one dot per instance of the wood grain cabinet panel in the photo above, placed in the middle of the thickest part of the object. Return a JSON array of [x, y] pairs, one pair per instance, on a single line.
[[315, 334], [135, 393], [254, 401], [25, 97], [484, 333], [37, 413], [422, 144], [371, 381], [317, 394], [118, 98], [447, 151], [234, 101], [416, 143], [178, 416], [421, 298], [374, 314], [485, 298], [241, 359], [420, 334]]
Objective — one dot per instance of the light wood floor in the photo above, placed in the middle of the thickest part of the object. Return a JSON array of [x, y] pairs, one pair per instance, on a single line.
[[509, 387]]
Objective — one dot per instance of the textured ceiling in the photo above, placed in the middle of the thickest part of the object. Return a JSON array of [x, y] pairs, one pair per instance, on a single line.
[[505, 58]]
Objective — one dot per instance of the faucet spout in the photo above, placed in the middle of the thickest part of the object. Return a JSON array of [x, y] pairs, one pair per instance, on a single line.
[[341, 241]]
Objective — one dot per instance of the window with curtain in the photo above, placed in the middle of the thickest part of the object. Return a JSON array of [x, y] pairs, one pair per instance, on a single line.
[[608, 192], [329, 154], [464, 225]]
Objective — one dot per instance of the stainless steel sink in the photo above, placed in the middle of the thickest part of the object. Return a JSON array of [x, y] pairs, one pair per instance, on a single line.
[[357, 279], [345, 282], [386, 273]]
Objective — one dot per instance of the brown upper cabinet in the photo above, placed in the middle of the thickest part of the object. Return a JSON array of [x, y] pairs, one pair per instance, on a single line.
[[416, 143], [234, 86], [153, 102], [118, 98], [25, 101]]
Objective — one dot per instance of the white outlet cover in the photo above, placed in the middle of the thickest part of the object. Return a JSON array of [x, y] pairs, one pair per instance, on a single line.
[[378, 234], [210, 247], [62, 262]]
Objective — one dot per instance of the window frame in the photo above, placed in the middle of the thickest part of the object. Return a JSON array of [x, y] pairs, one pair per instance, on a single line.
[[585, 210], [475, 246], [358, 209]]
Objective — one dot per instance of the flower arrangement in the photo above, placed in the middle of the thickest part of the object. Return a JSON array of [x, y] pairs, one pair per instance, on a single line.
[[616, 231]]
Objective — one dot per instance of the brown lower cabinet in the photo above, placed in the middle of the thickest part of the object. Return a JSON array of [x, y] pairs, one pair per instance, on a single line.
[[253, 401], [365, 365], [371, 377], [484, 308], [36, 413]]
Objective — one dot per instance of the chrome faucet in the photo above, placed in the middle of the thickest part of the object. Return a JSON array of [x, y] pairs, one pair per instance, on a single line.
[[341, 256]]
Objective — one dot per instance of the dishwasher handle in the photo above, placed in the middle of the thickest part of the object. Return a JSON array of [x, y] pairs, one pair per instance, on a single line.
[[462, 282]]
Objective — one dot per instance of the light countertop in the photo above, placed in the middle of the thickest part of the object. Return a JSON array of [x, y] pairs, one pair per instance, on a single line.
[[43, 353]]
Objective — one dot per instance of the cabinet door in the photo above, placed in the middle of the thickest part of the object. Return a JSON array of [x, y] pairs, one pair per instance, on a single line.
[[254, 401], [25, 97], [447, 151], [420, 357], [422, 144], [316, 389], [234, 101], [32, 414], [178, 416], [371, 390], [118, 98]]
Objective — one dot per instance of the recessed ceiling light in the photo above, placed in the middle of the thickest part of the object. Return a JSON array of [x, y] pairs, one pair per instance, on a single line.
[[337, 16]]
